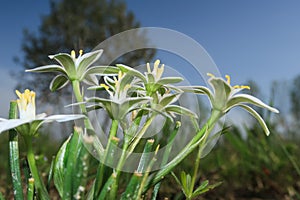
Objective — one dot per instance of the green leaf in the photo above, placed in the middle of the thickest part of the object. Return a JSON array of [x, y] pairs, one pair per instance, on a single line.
[[14, 161], [144, 161], [59, 167], [204, 187], [72, 173], [58, 82], [107, 188], [132, 188]]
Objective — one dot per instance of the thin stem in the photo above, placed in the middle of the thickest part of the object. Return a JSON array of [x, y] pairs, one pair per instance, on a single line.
[[30, 189], [197, 164], [39, 185], [79, 99], [102, 166]]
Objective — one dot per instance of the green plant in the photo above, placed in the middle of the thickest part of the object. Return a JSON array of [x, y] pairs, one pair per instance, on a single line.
[[128, 93]]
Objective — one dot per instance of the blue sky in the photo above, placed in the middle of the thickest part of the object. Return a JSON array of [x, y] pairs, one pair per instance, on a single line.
[[250, 39]]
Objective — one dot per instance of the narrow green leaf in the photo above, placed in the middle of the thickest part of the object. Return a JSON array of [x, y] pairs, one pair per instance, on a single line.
[[59, 167], [145, 158], [132, 188], [200, 190], [14, 160]]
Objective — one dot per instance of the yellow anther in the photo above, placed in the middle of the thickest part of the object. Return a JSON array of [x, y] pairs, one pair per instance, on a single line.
[[105, 86], [228, 79], [245, 87], [73, 54], [241, 87], [148, 68], [80, 52], [156, 63], [26, 104], [210, 75]]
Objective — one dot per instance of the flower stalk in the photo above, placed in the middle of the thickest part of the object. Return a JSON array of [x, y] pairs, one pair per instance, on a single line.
[[39, 185]]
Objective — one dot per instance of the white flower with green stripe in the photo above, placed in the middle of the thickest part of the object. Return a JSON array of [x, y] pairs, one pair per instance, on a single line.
[[72, 69], [28, 122], [224, 97]]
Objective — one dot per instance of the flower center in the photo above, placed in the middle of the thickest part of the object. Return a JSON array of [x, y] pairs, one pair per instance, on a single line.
[[73, 54], [26, 104]]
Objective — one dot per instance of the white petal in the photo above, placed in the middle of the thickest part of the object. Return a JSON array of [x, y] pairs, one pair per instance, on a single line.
[[246, 98], [12, 123], [63, 118]]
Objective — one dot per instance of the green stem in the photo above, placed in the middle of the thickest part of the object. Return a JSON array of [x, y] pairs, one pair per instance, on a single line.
[[102, 166], [136, 139], [14, 160], [79, 99], [39, 185], [195, 172], [30, 189], [215, 116]]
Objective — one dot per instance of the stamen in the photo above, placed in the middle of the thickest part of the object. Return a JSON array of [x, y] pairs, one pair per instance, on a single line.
[[210, 75], [245, 87], [156, 63], [80, 52], [105, 86], [148, 68], [73, 54], [228, 79], [241, 87]]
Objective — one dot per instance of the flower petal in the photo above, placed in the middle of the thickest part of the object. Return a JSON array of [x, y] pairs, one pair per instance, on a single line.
[[87, 60], [90, 79], [256, 116], [11, 123], [101, 70], [48, 68], [180, 111], [169, 80], [246, 98], [221, 89], [132, 72], [197, 90], [63, 118], [67, 62], [58, 82]]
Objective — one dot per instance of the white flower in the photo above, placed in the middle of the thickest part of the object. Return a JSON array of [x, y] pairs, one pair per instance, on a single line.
[[225, 97], [28, 122]]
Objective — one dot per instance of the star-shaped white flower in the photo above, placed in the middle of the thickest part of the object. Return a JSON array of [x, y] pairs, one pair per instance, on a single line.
[[225, 97], [28, 122]]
